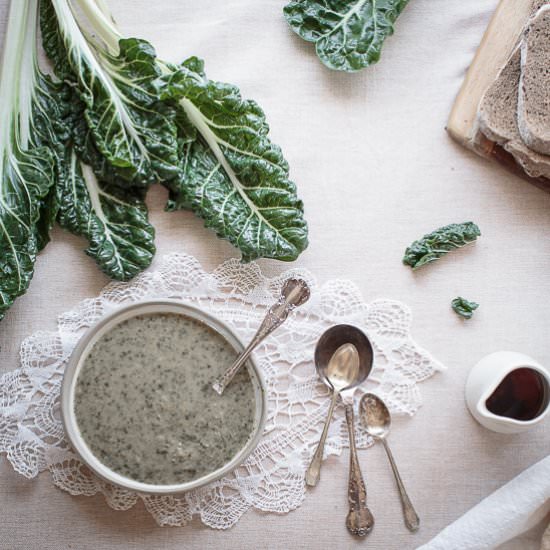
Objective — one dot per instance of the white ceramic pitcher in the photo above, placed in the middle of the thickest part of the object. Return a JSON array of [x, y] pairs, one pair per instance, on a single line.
[[484, 379]]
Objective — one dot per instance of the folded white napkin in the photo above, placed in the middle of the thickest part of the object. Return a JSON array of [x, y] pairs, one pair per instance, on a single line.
[[508, 512]]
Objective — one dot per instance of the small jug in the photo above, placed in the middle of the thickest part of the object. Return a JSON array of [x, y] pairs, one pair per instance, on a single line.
[[508, 392]]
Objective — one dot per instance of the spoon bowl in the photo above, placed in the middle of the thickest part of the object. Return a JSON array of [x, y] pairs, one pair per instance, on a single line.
[[345, 373], [343, 368], [375, 415]]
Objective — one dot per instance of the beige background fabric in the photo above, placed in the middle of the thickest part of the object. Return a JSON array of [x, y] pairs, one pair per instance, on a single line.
[[376, 170]]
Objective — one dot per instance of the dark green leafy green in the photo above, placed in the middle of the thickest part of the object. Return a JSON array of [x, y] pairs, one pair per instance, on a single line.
[[117, 125], [112, 219], [348, 34], [434, 245], [229, 172], [463, 307], [51, 121], [233, 176], [128, 133], [83, 148], [27, 168]]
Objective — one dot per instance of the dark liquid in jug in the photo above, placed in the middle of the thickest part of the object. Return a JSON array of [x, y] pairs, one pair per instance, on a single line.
[[523, 395]]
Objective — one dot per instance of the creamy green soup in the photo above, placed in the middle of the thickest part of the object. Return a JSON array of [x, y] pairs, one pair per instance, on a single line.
[[145, 406]]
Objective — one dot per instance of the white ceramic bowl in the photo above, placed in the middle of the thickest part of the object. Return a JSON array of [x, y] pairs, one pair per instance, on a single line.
[[78, 358]]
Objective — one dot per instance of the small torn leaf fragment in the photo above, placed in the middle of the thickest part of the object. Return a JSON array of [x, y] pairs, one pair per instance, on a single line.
[[463, 307], [436, 244]]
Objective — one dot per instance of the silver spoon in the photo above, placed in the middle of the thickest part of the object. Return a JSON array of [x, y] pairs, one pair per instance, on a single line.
[[358, 364], [294, 293], [342, 367], [377, 420]]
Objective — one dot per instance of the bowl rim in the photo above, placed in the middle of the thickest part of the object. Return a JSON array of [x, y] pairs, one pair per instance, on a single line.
[[101, 327]]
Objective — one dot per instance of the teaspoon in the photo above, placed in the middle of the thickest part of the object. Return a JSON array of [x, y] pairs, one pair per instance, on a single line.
[[294, 293], [359, 520], [377, 420]]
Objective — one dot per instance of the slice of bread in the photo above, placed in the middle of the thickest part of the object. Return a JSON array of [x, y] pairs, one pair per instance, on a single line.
[[534, 84], [497, 118], [496, 112]]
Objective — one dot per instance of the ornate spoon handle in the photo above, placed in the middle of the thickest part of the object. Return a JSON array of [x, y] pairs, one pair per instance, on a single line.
[[412, 520], [360, 521], [294, 293], [313, 472]]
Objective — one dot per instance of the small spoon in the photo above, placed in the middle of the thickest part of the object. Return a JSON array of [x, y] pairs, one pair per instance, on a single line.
[[358, 364], [377, 420], [294, 293], [342, 367]]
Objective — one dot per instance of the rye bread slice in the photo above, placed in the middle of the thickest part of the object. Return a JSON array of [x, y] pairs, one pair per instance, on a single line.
[[497, 118], [534, 85]]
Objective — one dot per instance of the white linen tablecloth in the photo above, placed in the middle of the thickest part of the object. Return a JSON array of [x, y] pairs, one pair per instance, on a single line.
[[376, 170]]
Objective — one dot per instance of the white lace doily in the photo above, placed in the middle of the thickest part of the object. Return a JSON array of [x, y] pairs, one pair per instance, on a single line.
[[272, 478]]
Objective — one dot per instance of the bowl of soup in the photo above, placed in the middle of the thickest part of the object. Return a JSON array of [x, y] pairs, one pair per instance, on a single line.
[[137, 401]]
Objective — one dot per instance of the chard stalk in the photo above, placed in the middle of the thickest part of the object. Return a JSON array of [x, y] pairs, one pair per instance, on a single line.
[[11, 73], [103, 23], [26, 171]]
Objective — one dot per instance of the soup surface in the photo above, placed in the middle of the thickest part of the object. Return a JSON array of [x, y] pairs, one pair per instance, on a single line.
[[144, 401]]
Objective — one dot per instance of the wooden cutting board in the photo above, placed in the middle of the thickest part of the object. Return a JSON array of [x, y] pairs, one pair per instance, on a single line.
[[497, 44]]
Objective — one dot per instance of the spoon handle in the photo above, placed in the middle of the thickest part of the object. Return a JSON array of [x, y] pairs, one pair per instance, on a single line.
[[412, 521], [313, 473], [359, 520], [294, 293], [221, 383]]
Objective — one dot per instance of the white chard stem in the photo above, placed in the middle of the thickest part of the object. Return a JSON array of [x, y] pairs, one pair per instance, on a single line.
[[102, 23]]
